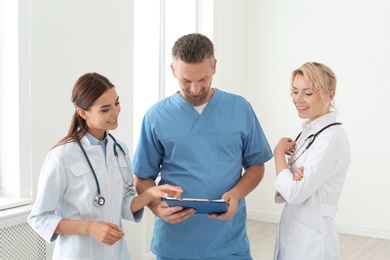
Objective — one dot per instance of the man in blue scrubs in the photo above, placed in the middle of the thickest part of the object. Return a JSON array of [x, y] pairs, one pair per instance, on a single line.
[[211, 144]]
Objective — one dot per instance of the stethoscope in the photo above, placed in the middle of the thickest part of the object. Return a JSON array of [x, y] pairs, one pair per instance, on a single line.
[[311, 139], [99, 200]]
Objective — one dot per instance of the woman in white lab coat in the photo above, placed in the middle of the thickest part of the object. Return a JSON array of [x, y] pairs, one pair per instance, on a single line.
[[86, 184], [307, 229]]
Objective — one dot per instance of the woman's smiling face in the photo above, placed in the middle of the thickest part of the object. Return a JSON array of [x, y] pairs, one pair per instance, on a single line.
[[103, 114], [308, 103]]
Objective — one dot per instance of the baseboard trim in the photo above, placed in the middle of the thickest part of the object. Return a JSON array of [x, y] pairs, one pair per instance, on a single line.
[[345, 229], [263, 217]]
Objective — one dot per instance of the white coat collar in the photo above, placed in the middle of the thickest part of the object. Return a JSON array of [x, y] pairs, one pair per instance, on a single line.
[[316, 125]]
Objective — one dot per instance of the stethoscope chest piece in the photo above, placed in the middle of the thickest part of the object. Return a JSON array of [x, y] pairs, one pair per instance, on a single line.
[[99, 200]]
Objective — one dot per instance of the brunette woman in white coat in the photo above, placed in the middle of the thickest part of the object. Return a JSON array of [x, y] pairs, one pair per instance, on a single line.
[[86, 184], [310, 181]]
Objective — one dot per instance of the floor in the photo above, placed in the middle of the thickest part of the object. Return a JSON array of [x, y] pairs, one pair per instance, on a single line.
[[262, 237]]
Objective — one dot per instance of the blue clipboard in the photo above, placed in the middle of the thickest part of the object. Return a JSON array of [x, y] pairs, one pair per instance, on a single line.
[[201, 206]]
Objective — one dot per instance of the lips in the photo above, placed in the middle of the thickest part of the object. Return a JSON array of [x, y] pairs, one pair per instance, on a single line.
[[113, 121], [300, 109]]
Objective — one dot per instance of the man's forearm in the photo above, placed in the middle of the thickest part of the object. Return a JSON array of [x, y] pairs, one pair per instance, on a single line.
[[249, 181], [143, 184]]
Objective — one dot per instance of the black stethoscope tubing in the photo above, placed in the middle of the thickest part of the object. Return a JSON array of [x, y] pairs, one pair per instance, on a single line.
[[99, 199], [311, 140]]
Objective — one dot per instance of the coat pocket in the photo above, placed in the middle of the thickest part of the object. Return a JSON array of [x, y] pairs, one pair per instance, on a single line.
[[80, 168], [303, 242]]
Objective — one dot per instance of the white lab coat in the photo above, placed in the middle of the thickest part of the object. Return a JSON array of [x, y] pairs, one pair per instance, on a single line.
[[307, 229], [66, 189]]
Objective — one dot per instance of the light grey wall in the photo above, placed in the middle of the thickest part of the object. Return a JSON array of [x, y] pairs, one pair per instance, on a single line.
[[230, 45], [352, 37], [70, 38]]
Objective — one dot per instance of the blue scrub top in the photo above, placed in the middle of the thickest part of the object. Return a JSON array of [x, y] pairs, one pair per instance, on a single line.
[[204, 154]]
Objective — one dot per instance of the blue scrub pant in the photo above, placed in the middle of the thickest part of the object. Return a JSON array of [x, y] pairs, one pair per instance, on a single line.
[[239, 256]]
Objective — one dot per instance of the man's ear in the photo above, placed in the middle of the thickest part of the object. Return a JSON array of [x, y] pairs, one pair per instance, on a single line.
[[173, 70], [214, 66]]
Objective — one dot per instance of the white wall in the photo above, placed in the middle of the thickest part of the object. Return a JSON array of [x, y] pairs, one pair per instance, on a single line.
[[352, 37], [258, 44]]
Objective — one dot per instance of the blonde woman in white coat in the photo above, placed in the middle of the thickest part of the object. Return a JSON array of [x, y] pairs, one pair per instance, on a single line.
[[311, 180], [69, 209]]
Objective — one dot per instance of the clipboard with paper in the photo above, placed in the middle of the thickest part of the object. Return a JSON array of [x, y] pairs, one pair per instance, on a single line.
[[201, 206]]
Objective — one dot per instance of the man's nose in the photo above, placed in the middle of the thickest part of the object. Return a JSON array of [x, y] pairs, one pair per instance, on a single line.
[[195, 88]]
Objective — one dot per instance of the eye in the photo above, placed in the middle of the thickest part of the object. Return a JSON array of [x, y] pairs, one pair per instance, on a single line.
[[104, 110], [308, 94], [204, 79], [117, 103]]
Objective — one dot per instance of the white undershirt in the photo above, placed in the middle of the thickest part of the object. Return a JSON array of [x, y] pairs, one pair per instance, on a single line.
[[200, 108]]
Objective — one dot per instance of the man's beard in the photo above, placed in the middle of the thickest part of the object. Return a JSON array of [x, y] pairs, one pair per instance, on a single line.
[[199, 99]]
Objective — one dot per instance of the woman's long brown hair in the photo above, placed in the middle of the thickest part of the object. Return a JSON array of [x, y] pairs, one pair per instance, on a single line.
[[87, 89]]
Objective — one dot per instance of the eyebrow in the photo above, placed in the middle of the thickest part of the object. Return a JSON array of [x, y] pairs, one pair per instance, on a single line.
[[185, 79], [302, 89], [105, 106]]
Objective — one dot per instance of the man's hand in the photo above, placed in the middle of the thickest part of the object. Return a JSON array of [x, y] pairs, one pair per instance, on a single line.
[[232, 204], [172, 215]]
